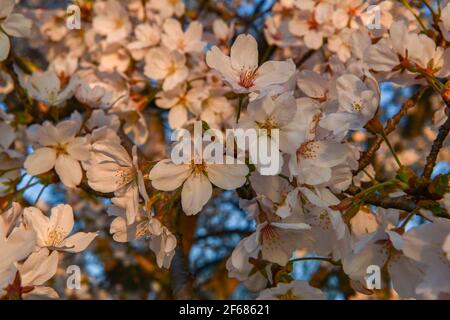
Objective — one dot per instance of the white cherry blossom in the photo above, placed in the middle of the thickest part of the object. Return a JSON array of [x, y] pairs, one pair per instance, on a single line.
[[241, 69], [54, 232]]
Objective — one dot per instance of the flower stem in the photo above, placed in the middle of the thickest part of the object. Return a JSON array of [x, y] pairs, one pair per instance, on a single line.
[[408, 218], [383, 135], [411, 9], [315, 259]]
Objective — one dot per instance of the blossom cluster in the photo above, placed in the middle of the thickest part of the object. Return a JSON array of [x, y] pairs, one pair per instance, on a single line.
[[84, 120]]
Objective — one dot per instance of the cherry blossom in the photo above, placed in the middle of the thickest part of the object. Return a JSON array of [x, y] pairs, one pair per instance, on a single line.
[[58, 148], [11, 24], [336, 166], [54, 232], [241, 69]]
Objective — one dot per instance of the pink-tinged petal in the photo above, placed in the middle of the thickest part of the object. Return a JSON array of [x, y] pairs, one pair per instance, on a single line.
[[78, 149], [4, 46], [40, 223], [312, 84], [17, 246], [112, 151], [445, 71], [227, 176], [121, 231], [6, 8], [197, 190], [107, 177], [381, 58], [175, 79], [7, 135], [79, 241], [68, 170], [61, 219], [157, 61], [326, 153], [217, 60], [173, 28], [314, 175], [66, 130], [274, 72], [244, 53], [167, 176], [40, 161], [178, 116], [17, 25], [39, 268]]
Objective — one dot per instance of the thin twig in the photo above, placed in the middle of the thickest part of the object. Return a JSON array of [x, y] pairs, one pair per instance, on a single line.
[[435, 148], [367, 157]]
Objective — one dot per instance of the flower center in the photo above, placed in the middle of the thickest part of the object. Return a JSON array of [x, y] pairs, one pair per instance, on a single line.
[[357, 105], [171, 69], [308, 150], [312, 23], [118, 23], [268, 232], [181, 44], [124, 175], [289, 295], [198, 168], [55, 237], [61, 149], [247, 78], [268, 125]]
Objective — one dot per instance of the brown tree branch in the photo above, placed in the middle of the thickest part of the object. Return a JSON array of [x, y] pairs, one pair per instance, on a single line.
[[436, 147], [181, 278], [405, 203], [367, 157]]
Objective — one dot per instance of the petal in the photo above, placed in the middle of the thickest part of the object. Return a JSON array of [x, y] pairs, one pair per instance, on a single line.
[[227, 176], [39, 222], [314, 175], [274, 72], [68, 170], [178, 116], [7, 135], [41, 161], [65, 130], [17, 25], [195, 194], [167, 176], [6, 8], [244, 53], [172, 27], [61, 218], [329, 153], [19, 244], [175, 79], [39, 268], [312, 84], [313, 40], [381, 58], [121, 231], [217, 60], [105, 177], [79, 241], [78, 149], [4, 46]]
